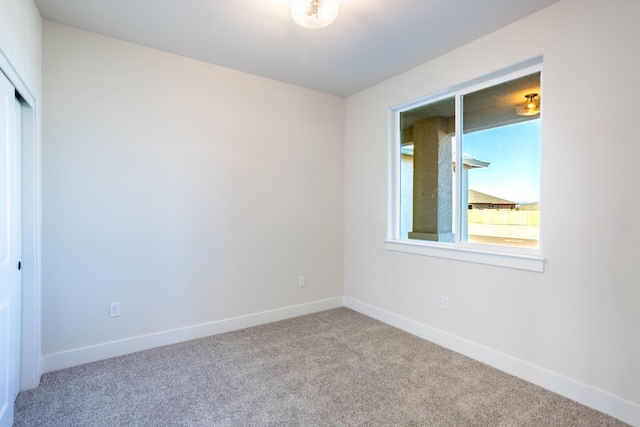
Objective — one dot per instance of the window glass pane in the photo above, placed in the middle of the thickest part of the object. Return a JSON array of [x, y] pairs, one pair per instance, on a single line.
[[426, 172], [501, 175]]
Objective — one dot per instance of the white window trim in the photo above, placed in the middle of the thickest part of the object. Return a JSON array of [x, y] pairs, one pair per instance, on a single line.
[[501, 256]]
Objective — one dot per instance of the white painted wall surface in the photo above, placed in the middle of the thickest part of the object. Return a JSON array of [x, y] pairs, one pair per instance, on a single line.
[[579, 319], [20, 39], [187, 192]]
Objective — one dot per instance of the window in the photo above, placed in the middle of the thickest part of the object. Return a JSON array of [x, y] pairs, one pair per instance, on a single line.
[[466, 173]]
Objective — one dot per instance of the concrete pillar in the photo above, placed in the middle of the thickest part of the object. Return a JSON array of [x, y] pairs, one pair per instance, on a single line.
[[432, 181]]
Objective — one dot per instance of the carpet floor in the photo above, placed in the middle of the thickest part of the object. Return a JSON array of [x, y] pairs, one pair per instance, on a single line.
[[334, 368]]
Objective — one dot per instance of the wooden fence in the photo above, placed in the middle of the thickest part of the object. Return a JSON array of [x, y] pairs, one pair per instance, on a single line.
[[502, 217]]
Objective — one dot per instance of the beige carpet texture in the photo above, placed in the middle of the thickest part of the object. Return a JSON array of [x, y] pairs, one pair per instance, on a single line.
[[333, 368]]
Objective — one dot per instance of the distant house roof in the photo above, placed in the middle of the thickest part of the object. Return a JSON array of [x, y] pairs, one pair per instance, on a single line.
[[478, 198], [473, 163]]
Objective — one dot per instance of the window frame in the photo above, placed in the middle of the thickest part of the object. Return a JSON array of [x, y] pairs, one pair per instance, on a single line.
[[497, 255]]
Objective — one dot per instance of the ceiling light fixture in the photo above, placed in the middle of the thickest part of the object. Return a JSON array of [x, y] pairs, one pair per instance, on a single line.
[[531, 107], [314, 13]]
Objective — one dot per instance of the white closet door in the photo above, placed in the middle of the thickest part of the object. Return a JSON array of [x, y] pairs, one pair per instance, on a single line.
[[9, 250]]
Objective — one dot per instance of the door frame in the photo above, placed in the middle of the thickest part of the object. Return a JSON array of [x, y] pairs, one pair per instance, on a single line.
[[31, 361]]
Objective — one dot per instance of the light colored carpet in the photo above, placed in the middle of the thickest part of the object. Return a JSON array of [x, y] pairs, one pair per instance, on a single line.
[[334, 368]]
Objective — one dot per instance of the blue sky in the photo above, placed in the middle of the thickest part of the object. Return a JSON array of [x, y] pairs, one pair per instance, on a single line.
[[514, 155]]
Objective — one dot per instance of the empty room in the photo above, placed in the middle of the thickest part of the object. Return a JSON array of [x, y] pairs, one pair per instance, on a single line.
[[319, 213]]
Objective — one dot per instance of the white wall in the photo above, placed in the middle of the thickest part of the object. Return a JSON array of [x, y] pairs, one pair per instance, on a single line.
[[20, 39], [188, 192], [577, 321]]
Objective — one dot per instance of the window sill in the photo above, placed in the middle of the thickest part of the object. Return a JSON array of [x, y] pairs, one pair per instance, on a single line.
[[509, 260]]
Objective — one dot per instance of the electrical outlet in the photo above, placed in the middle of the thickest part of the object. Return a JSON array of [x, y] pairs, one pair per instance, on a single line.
[[444, 302], [301, 281], [114, 309]]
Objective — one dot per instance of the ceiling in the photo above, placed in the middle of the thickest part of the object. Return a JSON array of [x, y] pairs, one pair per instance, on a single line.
[[370, 41], [489, 107]]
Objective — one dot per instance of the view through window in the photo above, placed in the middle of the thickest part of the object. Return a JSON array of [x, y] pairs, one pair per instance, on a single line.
[[495, 198]]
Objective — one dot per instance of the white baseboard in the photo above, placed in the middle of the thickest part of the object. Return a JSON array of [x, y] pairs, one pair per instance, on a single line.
[[79, 356], [592, 397], [595, 398]]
